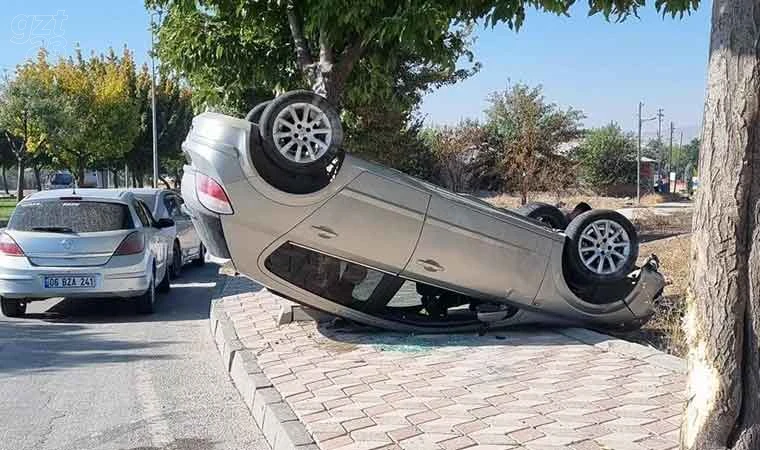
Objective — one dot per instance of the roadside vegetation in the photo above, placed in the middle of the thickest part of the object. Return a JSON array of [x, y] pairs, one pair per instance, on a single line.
[[7, 205]]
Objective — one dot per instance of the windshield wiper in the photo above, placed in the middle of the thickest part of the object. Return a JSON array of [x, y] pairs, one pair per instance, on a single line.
[[54, 229]]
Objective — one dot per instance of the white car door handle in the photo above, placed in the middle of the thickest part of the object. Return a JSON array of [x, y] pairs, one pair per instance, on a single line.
[[324, 232], [430, 265]]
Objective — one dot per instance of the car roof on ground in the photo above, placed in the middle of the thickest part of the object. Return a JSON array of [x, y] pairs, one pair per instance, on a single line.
[[89, 193]]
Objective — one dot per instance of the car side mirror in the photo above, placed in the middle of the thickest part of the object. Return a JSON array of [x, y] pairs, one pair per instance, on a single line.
[[164, 223]]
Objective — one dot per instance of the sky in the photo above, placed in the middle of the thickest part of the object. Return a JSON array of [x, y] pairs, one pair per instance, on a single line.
[[604, 69]]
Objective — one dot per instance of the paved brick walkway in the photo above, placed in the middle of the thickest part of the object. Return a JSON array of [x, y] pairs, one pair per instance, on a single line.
[[508, 390]]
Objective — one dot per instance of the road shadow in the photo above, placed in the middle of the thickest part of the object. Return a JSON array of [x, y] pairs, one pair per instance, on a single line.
[[34, 347], [189, 299]]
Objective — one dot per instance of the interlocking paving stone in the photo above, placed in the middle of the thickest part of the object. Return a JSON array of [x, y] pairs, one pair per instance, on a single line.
[[358, 389]]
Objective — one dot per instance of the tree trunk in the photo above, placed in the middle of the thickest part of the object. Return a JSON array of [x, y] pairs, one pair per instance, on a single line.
[[5, 182], [166, 183], [37, 178], [723, 316], [20, 180], [80, 174]]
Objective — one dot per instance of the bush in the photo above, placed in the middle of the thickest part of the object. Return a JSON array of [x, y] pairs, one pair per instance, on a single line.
[[607, 157]]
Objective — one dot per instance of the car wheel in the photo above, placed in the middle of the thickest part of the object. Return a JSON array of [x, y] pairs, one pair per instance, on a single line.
[[146, 302], [13, 307], [201, 260], [165, 285], [550, 216], [176, 267], [601, 247], [254, 115], [301, 132]]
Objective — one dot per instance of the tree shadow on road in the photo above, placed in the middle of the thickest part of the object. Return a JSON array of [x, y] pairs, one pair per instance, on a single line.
[[36, 347]]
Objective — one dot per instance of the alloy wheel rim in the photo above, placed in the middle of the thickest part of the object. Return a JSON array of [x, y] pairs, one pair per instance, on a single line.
[[604, 247], [302, 133]]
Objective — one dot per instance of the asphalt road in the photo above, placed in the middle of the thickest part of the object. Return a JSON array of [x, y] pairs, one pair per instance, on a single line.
[[92, 374]]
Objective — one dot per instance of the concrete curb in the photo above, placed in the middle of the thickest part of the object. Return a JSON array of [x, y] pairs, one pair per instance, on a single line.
[[630, 349], [281, 427]]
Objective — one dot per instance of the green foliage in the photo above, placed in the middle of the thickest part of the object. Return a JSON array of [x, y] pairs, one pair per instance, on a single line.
[[174, 115], [238, 53], [31, 114], [456, 151], [607, 156], [526, 133], [97, 115], [686, 158], [30, 109]]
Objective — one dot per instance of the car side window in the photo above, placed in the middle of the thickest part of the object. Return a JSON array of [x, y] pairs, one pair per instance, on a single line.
[[180, 211], [142, 213], [173, 206]]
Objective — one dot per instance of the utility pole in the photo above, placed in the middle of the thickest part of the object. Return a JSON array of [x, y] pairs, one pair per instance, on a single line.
[[638, 155], [670, 159], [153, 99], [659, 116]]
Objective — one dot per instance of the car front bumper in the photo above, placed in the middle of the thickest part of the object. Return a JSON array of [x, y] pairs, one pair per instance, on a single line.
[[123, 276]]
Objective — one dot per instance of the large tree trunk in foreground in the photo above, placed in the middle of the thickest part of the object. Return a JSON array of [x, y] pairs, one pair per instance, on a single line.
[[723, 318]]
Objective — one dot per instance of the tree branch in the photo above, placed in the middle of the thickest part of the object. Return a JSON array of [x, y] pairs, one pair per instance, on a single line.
[[326, 54], [296, 30], [348, 58]]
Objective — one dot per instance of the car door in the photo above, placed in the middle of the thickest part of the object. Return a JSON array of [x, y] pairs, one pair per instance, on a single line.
[[154, 240], [374, 221], [477, 250], [186, 235]]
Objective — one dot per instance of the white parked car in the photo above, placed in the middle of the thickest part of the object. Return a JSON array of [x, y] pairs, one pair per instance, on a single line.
[[83, 243], [61, 180], [186, 245]]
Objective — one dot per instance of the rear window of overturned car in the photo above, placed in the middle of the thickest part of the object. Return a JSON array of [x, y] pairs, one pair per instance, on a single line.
[[77, 216]]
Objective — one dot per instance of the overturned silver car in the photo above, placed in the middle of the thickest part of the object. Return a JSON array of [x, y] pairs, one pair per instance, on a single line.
[[275, 193]]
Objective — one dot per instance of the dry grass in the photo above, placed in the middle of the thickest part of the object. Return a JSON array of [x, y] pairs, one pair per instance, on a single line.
[[651, 225], [563, 200], [572, 198], [665, 330]]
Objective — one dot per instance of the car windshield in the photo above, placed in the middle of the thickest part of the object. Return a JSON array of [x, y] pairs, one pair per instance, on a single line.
[[76, 216], [149, 200], [62, 178]]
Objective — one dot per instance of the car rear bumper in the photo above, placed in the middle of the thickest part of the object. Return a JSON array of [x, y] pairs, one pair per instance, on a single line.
[[207, 224], [123, 276]]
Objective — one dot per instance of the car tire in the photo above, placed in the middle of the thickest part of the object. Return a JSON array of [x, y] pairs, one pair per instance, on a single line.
[[165, 285], [601, 247], [254, 115], [548, 215], [176, 267], [12, 307], [297, 124], [201, 259], [146, 302]]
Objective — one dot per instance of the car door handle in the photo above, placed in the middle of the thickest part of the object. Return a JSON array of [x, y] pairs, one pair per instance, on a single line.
[[430, 265], [324, 232]]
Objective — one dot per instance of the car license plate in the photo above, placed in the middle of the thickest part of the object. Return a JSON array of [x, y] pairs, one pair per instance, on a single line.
[[70, 281]]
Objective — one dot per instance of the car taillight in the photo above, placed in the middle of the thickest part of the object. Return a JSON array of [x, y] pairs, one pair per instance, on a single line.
[[131, 245], [9, 247], [212, 195]]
